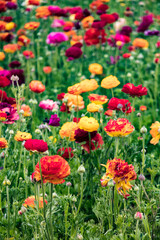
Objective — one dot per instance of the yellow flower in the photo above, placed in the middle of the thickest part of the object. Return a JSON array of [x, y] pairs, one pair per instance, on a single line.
[[22, 136], [98, 99], [74, 100], [68, 130], [2, 56], [93, 107], [10, 26], [88, 124], [95, 68], [155, 132], [75, 89], [110, 82]]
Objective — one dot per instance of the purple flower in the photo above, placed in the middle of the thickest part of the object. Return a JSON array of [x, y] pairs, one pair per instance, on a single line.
[[19, 73], [57, 11], [56, 38], [146, 22], [11, 5], [113, 60], [126, 30], [14, 64], [151, 33], [54, 120]]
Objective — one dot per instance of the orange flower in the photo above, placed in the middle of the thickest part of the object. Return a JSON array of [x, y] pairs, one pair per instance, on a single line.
[[68, 130], [30, 202], [3, 143], [2, 26], [68, 24], [89, 85], [87, 21], [36, 86], [27, 110], [98, 99], [10, 48], [95, 68], [76, 39], [54, 169], [140, 43], [47, 69], [88, 124], [95, 4], [118, 128], [75, 89], [42, 12], [143, 108], [33, 2], [121, 173], [31, 25], [155, 132], [109, 113], [23, 40], [28, 54], [22, 136], [110, 82], [21, 31], [93, 107], [2, 56], [74, 100], [70, 33]]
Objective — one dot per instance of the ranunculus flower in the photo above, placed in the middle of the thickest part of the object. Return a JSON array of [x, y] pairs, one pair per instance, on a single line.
[[146, 22], [12, 114], [30, 202], [155, 132], [36, 145], [3, 143], [48, 104], [54, 120], [36, 86], [83, 136], [68, 130], [108, 18], [56, 38], [57, 23], [118, 128], [95, 36], [22, 136], [98, 99], [110, 82], [95, 68], [4, 81], [120, 105], [14, 64], [134, 91], [73, 53], [88, 124], [54, 169], [96, 143]]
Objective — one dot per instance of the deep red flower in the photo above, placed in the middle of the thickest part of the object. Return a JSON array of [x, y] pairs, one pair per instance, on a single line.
[[64, 108], [94, 36], [73, 53], [76, 119], [35, 145], [120, 105], [60, 96], [83, 136], [126, 55], [4, 81], [96, 143], [134, 91], [66, 153]]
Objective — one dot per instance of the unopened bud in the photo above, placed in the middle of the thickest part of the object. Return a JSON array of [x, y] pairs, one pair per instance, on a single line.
[[141, 177], [143, 129], [138, 216], [81, 169]]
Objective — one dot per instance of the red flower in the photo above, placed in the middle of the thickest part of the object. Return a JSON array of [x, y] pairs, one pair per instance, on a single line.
[[54, 169], [96, 143], [73, 53], [108, 18], [120, 105], [35, 145], [134, 91], [126, 55], [66, 153], [4, 82], [60, 96], [83, 136], [94, 36], [64, 108], [76, 119]]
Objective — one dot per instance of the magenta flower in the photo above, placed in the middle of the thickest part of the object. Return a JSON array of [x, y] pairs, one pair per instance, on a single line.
[[146, 22], [56, 38], [12, 114], [48, 105]]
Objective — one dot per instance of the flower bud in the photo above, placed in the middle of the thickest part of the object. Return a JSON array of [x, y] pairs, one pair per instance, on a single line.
[[8, 182], [138, 216], [68, 184], [81, 169], [136, 188], [138, 114], [141, 177], [79, 236], [54, 195], [143, 129]]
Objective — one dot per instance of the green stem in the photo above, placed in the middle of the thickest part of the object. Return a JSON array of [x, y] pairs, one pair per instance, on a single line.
[[8, 217], [51, 191]]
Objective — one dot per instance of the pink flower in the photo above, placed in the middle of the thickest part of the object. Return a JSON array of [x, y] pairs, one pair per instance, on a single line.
[[48, 105], [12, 114], [56, 38], [138, 215], [57, 23]]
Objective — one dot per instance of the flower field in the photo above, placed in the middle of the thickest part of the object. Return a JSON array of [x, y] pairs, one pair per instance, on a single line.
[[79, 120]]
